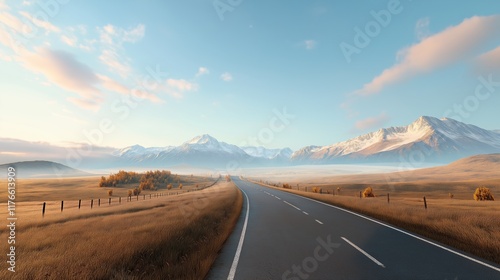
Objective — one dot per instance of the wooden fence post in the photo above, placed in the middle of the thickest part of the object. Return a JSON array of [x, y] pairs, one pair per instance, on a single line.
[[43, 210], [149, 196], [109, 202], [120, 200], [359, 194], [137, 197], [99, 202], [79, 203], [91, 203], [388, 199], [62, 205], [425, 203]]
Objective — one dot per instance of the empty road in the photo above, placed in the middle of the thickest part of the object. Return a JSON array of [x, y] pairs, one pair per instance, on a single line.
[[284, 236]]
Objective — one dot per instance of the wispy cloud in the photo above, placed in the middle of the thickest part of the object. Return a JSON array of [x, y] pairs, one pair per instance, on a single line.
[[177, 88], [41, 23], [112, 54], [310, 44], [14, 23], [202, 71], [64, 70], [489, 62], [449, 46], [70, 41], [114, 86], [371, 123], [227, 77]]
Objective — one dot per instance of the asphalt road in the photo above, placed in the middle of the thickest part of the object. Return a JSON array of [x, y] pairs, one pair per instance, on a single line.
[[284, 236]]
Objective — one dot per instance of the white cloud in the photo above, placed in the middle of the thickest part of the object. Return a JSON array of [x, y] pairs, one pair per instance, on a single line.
[[14, 23], [371, 122], [227, 77], [41, 23], [117, 87], [202, 71], [4, 6], [310, 44], [177, 88], [112, 54], [449, 46], [115, 62], [69, 41]]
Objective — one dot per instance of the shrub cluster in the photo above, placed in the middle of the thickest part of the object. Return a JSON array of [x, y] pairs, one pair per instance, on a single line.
[[483, 193], [368, 192]]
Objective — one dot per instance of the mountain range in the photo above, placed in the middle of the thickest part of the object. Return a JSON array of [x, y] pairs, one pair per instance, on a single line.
[[426, 140]]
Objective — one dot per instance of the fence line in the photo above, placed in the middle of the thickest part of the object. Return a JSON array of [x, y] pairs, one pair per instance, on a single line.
[[129, 198]]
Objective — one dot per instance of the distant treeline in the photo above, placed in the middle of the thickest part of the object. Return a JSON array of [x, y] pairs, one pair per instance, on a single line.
[[151, 180]]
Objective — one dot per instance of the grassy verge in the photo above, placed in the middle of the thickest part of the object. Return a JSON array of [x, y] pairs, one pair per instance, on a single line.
[[467, 225], [173, 237]]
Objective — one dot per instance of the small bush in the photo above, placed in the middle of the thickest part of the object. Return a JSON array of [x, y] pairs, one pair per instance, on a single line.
[[180, 186], [483, 193], [110, 192], [169, 186], [317, 190], [287, 186], [451, 195], [368, 192], [137, 191], [130, 192]]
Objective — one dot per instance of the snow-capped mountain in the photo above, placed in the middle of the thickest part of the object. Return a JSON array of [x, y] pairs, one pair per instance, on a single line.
[[203, 150], [207, 143], [138, 150], [427, 138], [261, 152]]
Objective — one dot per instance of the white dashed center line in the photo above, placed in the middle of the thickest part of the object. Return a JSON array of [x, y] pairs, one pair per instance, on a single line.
[[319, 222], [291, 205]]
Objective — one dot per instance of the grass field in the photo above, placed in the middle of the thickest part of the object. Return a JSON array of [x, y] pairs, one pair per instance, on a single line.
[[85, 188], [168, 237], [468, 225]]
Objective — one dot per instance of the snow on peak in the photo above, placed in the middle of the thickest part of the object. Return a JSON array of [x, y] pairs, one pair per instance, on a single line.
[[203, 139]]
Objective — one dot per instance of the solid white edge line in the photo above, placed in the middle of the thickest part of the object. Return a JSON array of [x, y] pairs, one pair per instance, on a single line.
[[319, 222], [404, 232], [232, 271], [305, 212], [291, 205], [363, 252]]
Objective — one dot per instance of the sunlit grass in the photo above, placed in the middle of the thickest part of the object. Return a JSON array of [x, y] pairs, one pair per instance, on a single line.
[[169, 237]]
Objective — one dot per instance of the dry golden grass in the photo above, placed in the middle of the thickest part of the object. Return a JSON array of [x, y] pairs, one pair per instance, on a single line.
[[468, 225], [169, 237], [57, 189]]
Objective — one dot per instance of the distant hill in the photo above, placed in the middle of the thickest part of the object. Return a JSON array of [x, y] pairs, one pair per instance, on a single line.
[[42, 169]]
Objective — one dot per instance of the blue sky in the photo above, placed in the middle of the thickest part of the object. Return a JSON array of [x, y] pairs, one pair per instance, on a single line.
[[157, 73]]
